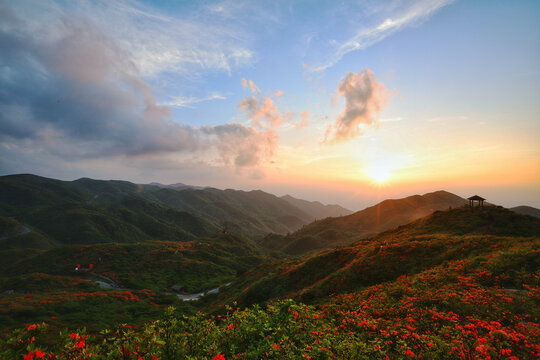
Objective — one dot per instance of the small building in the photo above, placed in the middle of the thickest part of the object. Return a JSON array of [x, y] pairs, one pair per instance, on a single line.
[[84, 267], [478, 199]]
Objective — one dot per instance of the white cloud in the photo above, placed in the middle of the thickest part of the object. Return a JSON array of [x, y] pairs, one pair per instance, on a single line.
[[185, 102], [156, 41], [393, 17]]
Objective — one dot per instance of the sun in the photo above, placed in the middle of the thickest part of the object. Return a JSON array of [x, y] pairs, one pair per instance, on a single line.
[[379, 173], [381, 166]]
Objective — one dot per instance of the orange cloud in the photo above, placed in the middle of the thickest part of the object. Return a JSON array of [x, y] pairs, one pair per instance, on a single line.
[[261, 112], [251, 85], [365, 97]]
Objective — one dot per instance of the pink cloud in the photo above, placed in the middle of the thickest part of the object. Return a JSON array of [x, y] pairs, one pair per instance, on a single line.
[[262, 112], [365, 97], [251, 85]]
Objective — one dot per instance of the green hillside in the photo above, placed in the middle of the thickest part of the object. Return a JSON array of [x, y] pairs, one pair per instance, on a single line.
[[252, 213], [89, 211], [44, 282], [332, 232], [444, 236], [248, 213]]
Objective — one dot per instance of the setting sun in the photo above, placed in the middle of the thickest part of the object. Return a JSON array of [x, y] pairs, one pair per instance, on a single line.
[[379, 172]]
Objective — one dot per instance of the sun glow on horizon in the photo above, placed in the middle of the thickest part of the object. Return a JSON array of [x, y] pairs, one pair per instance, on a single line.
[[379, 173]]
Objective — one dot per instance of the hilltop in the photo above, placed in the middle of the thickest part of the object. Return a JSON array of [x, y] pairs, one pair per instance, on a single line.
[[527, 210], [332, 232]]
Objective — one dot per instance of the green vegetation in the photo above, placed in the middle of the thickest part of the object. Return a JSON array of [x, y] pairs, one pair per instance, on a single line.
[[9, 227], [46, 284], [404, 294]]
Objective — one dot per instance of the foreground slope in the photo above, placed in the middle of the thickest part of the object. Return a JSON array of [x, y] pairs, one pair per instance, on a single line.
[[331, 232], [458, 284]]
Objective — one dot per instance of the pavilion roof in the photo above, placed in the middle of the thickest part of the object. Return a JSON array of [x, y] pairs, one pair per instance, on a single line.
[[476, 197]]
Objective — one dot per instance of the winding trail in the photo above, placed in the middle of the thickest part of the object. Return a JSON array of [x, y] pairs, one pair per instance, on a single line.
[[108, 283], [197, 296]]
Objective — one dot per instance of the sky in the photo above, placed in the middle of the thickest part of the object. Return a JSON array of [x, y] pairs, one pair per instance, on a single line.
[[347, 102]]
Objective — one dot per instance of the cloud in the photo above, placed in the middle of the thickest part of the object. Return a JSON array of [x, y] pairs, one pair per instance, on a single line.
[[72, 83], [365, 97], [251, 85], [68, 90], [158, 42], [391, 17], [243, 145], [262, 111], [185, 102]]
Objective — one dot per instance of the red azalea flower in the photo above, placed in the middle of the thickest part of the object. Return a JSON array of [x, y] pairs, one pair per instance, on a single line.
[[219, 357]]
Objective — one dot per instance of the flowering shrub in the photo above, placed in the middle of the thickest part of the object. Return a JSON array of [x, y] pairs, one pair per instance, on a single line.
[[456, 311]]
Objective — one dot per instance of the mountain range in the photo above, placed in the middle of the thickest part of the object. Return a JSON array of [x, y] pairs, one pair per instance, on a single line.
[[87, 211], [96, 211]]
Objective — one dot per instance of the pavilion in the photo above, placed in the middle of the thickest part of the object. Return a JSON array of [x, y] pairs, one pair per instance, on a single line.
[[477, 198]]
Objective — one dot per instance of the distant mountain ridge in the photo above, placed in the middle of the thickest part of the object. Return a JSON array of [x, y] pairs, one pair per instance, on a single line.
[[332, 232], [178, 186], [316, 209], [527, 210], [95, 211], [250, 213]]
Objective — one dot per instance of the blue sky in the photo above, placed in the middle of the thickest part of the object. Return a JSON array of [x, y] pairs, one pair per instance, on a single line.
[[345, 102]]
